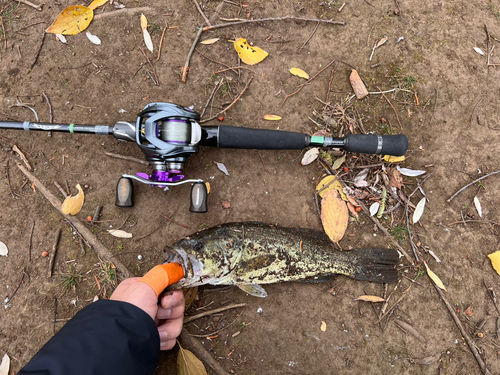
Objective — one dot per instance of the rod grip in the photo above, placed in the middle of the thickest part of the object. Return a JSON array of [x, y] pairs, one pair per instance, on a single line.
[[395, 145], [260, 139]]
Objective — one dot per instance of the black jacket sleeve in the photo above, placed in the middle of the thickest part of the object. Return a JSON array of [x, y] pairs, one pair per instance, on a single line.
[[106, 337]]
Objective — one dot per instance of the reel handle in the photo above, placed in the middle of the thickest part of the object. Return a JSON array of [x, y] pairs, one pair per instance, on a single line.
[[124, 192], [199, 198]]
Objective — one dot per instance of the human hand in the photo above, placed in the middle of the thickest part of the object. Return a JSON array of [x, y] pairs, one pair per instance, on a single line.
[[168, 316]]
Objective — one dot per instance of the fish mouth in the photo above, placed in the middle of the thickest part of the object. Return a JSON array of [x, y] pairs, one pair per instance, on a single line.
[[193, 268]]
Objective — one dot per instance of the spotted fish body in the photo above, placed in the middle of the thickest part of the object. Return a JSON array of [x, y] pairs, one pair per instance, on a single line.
[[250, 254]]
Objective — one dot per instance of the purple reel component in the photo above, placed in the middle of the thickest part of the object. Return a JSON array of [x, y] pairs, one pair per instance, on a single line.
[[162, 176]]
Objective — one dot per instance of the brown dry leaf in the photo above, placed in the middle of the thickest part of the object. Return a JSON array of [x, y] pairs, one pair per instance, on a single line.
[[495, 260], [321, 133], [226, 204], [395, 178], [468, 311], [338, 162], [188, 363], [334, 215], [210, 41], [357, 85], [73, 204], [434, 277], [352, 209], [119, 233], [368, 298], [310, 156]]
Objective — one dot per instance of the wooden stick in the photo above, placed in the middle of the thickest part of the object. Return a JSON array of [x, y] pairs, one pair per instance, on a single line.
[[472, 183], [175, 222], [29, 3], [161, 41], [272, 19], [464, 333], [185, 68], [54, 251], [201, 12], [129, 158], [210, 98], [100, 249], [310, 36], [201, 352], [211, 312], [123, 11], [157, 83], [31, 241], [230, 105]]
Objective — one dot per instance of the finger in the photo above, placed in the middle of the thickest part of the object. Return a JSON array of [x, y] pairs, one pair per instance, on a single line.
[[172, 299], [167, 345], [173, 313], [171, 329]]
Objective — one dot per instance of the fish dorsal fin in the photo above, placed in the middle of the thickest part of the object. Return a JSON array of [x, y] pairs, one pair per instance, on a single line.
[[253, 289]]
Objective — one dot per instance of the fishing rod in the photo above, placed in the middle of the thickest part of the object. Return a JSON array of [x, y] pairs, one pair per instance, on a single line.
[[168, 134]]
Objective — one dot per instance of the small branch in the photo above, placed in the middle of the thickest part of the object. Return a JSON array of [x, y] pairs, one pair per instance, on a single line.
[[310, 36], [129, 158], [175, 222], [201, 12], [394, 109], [230, 105], [51, 118], [124, 11], [31, 241], [157, 83], [210, 98], [29, 3], [232, 68], [216, 62], [272, 19], [472, 183], [262, 159], [185, 68], [161, 40], [211, 312], [38, 51], [304, 84], [64, 194], [474, 110], [53, 253]]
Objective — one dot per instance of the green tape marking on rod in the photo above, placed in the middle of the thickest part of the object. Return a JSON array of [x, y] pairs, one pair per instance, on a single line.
[[71, 128], [315, 140]]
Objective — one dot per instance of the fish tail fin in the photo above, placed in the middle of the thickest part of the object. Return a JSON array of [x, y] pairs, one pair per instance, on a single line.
[[376, 265]]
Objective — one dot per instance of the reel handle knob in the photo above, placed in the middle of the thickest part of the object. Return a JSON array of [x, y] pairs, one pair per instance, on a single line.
[[124, 192], [199, 198]]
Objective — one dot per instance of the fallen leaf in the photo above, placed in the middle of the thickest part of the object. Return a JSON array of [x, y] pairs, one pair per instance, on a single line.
[[73, 204], [338, 162], [381, 42], [5, 365], [97, 3], [323, 326], [410, 172], [272, 117], [495, 260], [368, 298], [94, 39], [207, 184], [334, 215], [226, 204], [395, 178], [222, 168], [374, 208], [394, 159], [3, 249], [335, 185], [189, 364], [468, 311], [119, 233], [479, 50], [299, 73], [248, 54], [310, 156], [210, 41], [352, 210], [419, 210], [321, 133], [145, 32], [357, 85], [61, 38], [478, 207], [434, 277], [72, 20]]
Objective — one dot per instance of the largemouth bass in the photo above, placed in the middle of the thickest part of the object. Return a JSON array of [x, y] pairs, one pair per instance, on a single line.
[[250, 254]]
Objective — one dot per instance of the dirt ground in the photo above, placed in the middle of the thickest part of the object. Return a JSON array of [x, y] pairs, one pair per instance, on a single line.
[[450, 122]]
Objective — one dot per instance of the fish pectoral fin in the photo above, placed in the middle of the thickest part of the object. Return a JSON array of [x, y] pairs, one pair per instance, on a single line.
[[253, 289]]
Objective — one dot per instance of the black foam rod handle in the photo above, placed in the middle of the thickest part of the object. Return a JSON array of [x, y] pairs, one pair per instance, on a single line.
[[125, 192], [395, 145], [260, 139]]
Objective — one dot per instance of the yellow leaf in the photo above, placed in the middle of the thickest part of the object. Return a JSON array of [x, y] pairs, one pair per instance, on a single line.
[[327, 181], [299, 73], [338, 162], [189, 364], [394, 159], [248, 54], [272, 117], [370, 298], [72, 20], [73, 204], [495, 260], [97, 3], [210, 41], [207, 184], [144, 22], [334, 215], [434, 277], [323, 326]]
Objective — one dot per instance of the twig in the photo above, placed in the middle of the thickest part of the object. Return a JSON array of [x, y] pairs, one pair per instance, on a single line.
[[4, 33], [475, 221], [29, 3], [304, 84], [201, 12], [214, 61], [100, 249], [395, 304], [185, 68], [210, 98], [264, 164], [97, 213], [211, 312], [38, 51], [492, 295], [9, 298], [464, 333], [394, 109], [472, 183], [157, 83], [175, 222], [65, 195], [54, 251], [129, 158], [230, 105], [50, 107], [272, 19], [232, 68], [31, 241], [220, 330], [474, 110], [23, 158], [161, 40], [330, 84], [379, 226], [124, 11], [310, 36]]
